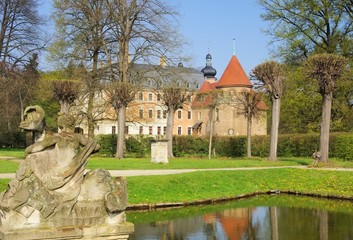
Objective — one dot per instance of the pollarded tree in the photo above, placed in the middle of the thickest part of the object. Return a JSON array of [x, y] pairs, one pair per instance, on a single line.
[[174, 96], [65, 92], [119, 95], [326, 69], [271, 74]]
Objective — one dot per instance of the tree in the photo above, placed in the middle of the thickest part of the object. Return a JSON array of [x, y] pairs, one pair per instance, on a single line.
[[119, 95], [65, 92], [20, 38], [139, 30], [28, 83], [271, 74], [249, 107], [81, 35], [307, 26], [213, 99], [326, 69], [174, 96]]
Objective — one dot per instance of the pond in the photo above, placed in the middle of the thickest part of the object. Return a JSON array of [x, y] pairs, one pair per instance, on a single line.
[[263, 217]]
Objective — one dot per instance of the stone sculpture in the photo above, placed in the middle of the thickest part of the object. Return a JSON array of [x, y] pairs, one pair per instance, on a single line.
[[51, 190]]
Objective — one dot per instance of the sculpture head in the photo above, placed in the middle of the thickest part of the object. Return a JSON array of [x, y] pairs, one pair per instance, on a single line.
[[33, 119], [66, 122]]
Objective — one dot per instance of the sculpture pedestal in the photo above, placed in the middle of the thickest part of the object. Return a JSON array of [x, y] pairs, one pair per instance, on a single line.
[[159, 151], [99, 232]]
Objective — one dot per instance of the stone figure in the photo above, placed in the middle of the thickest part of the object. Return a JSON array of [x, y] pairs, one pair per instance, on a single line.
[[51, 187]]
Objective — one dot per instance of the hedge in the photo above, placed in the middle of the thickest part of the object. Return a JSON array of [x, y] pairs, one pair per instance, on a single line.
[[289, 145]]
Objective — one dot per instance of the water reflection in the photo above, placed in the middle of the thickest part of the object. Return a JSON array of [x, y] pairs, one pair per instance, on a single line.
[[254, 222]]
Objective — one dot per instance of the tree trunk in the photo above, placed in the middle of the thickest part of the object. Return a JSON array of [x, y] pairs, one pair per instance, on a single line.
[[323, 221], [169, 133], [120, 143], [90, 119], [91, 92], [274, 223], [248, 137], [325, 126], [276, 105], [211, 132]]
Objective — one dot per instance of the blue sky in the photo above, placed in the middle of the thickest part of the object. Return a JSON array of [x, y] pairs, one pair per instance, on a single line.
[[210, 26]]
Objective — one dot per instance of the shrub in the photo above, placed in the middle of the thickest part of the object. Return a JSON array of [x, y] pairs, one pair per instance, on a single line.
[[13, 139], [289, 145]]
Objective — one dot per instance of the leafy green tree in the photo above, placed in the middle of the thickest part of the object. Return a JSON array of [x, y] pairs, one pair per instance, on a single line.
[[301, 103], [305, 27], [326, 69]]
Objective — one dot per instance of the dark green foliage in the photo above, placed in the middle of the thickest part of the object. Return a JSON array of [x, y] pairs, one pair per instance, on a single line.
[[136, 146], [341, 146], [230, 146], [13, 139], [261, 145], [108, 144], [189, 145]]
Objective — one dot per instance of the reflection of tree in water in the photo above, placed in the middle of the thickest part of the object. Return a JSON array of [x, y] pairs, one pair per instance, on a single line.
[[255, 223], [171, 230]]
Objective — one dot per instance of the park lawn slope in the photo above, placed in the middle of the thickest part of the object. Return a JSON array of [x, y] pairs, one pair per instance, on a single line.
[[189, 187]]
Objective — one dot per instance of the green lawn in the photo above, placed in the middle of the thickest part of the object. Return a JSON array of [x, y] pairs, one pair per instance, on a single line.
[[207, 185], [189, 187]]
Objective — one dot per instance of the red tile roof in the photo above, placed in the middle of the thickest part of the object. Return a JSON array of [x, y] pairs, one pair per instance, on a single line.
[[234, 75]]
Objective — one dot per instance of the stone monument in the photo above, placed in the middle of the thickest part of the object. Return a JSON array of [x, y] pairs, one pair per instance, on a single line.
[[51, 197], [159, 151]]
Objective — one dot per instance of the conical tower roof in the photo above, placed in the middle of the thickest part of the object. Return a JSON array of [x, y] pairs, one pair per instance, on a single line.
[[234, 75]]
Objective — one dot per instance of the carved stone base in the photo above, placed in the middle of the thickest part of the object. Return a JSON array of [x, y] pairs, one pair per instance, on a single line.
[[99, 232]]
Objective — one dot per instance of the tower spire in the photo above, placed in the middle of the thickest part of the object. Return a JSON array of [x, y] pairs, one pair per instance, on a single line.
[[234, 46]]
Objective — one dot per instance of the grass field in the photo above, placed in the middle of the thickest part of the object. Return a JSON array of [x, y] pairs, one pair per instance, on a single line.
[[215, 184]]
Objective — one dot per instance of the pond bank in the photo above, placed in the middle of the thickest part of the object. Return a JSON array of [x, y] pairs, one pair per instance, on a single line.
[[155, 206]]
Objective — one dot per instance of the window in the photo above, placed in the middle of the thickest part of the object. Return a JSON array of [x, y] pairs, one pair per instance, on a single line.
[[150, 130], [217, 114], [158, 130], [141, 96], [200, 115], [150, 113], [164, 114], [197, 85], [158, 114], [189, 114], [113, 129], [189, 130], [164, 130], [141, 113], [150, 97], [179, 130], [158, 97], [188, 85], [126, 129], [179, 114], [141, 130]]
